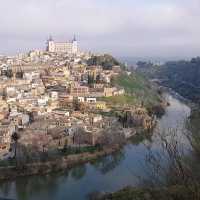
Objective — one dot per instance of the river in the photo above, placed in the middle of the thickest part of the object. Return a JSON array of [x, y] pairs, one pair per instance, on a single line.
[[107, 174]]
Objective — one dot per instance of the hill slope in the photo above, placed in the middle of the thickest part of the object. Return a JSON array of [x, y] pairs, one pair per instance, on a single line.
[[181, 76], [138, 92]]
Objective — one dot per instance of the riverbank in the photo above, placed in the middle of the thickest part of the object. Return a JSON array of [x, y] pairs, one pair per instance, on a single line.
[[176, 192], [66, 162], [178, 96]]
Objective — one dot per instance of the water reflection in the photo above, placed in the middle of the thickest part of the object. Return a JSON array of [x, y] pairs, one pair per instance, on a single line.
[[5, 188], [108, 163], [139, 138], [78, 172], [24, 188]]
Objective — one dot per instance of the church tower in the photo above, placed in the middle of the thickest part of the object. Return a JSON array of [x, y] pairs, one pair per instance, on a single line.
[[50, 45], [74, 45]]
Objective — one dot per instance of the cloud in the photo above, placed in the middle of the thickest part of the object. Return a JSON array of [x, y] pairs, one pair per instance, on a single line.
[[128, 27]]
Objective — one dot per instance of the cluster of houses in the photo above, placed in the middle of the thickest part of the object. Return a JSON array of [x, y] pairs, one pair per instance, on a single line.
[[53, 99]]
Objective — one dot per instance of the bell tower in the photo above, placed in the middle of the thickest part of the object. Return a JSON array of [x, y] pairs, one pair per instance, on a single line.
[[74, 45], [50, 45]]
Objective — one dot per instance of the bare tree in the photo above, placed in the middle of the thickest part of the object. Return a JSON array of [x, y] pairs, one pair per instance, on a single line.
[[172, 165]]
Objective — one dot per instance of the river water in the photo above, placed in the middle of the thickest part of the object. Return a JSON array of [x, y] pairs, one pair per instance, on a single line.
[[107, 174]]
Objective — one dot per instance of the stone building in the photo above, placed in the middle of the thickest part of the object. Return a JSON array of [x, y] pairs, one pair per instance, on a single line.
[[62, 47]]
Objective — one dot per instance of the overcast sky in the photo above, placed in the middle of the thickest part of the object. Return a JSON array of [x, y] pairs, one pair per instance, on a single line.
[[145, 28]]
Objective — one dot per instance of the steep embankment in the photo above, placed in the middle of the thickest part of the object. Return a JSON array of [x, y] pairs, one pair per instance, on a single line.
[[181, 76], [171, 193]]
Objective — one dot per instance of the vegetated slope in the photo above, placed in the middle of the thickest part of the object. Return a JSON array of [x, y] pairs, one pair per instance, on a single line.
[[171, 193], [106, 60], [138, 91], [139, 88], [181, 76]]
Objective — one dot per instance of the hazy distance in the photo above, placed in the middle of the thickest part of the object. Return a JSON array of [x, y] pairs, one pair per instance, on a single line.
[[132, 28]]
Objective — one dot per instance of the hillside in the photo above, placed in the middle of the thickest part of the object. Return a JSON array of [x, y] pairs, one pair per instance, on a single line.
[[181, 76], [138, 91], [170, 193], [139, 88]]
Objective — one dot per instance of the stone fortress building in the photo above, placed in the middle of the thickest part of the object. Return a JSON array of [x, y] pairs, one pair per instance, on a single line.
[[70, 47]]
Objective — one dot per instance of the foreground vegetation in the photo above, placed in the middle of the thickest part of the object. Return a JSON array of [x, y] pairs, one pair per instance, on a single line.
[[175, 192]]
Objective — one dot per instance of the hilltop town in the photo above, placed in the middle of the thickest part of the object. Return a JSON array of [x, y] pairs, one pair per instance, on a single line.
[[64, 101]]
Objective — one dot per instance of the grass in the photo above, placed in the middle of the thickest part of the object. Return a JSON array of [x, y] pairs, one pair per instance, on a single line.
[[120, 100], [137, 90]]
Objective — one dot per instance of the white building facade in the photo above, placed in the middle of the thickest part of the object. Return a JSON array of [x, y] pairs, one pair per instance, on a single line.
[[62, 47]]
